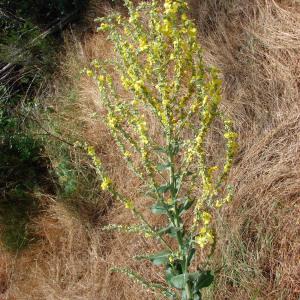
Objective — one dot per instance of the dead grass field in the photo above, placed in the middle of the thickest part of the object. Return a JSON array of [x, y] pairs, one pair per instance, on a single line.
[[256, 45]]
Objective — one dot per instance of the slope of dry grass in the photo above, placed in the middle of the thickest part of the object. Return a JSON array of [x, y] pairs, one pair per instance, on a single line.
[[256, 44]]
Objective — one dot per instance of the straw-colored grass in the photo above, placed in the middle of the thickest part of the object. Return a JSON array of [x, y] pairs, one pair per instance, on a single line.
[[256, 45]]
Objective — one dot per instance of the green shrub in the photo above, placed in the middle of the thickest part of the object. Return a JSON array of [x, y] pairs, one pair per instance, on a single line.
[[28, 40]]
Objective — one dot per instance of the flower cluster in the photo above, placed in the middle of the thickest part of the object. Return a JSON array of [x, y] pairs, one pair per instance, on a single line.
[[205, 235], [106, 183]]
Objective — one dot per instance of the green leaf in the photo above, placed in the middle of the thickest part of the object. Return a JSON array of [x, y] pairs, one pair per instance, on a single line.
[[205, 279], [165, 230], [174, 148], [164, 188], [161, 149], [157, 259], [186, 205], [177, 183], [173, 230], [171, 272], [159, 209], [198, 279], [179, 281], [141, 280], [197, 296], [190, 256], [161, 167]]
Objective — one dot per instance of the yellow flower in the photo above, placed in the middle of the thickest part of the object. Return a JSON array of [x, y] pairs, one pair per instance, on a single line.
[[148, 235], [134, 17], [190, 154], [143, 44], [228, 198], [101, 79], [169, 201], [138, 85], [106, 183], [127, 154], [95, 64], [167, 4], [129, 204], [183, 17], [206, 217], [209, 237], [230, 135], [144, 139], [126, 82], [201, 241], [204, 238], [144, 154], [203, 230], [195, 106], [97, 161], [167, 27], [171, 8], [112, 121], [193, 31], [166, 101], [103, 26], [91, 150], [141, 125], [218, 204], [135, 102], [119, 19], [171, 259], [89, 73], [164, 118], [213, 169]]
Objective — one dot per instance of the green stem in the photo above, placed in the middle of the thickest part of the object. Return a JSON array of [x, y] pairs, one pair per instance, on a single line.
[[188, 291], [177, 219], [142, 218]]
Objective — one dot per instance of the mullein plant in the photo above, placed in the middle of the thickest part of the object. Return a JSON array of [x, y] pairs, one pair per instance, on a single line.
[[158, 76]]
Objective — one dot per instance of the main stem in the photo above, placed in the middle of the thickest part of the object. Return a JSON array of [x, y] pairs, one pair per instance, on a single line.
[[177, 220]]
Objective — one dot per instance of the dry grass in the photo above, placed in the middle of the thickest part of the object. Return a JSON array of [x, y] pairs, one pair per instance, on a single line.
[[256, 44]]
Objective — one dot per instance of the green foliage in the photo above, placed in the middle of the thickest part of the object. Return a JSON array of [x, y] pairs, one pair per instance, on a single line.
[[21, 172], [159, 74], [14, 134], [27, 51], [25, 60], [67, 178]]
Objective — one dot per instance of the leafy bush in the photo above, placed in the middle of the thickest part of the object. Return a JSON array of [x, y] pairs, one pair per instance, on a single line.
[[27, 48], [160, 83]]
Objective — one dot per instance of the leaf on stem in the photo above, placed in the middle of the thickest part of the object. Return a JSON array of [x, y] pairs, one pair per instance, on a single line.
[[157, 259], [159, 209]]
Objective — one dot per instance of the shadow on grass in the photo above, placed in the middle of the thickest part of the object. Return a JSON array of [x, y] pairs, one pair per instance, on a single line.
[[19, 180]]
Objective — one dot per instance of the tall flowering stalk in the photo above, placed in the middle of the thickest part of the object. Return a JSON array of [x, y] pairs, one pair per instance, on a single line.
[[159, 74]]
